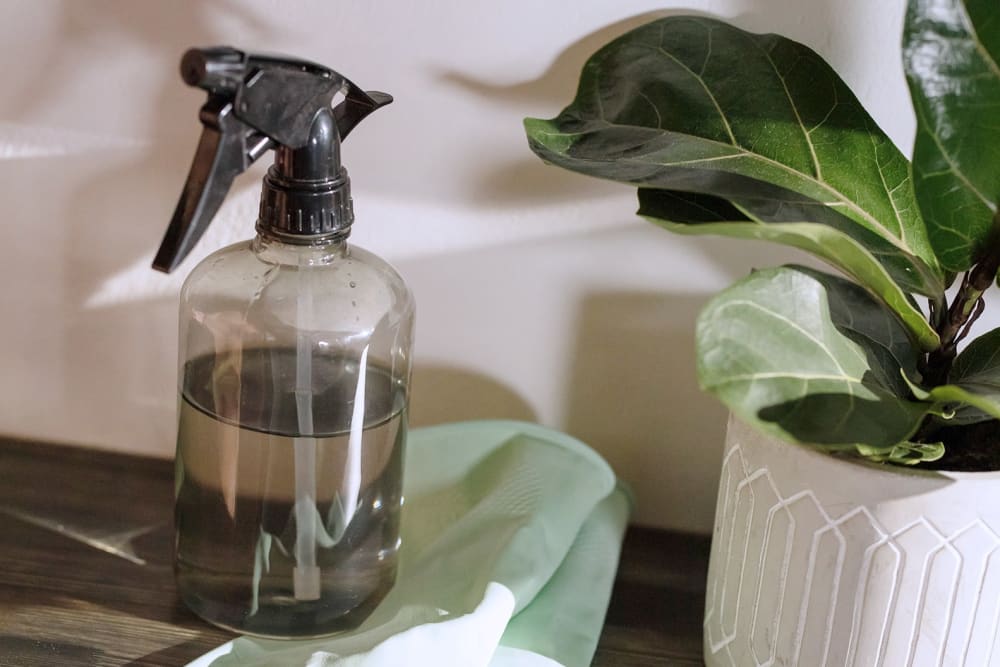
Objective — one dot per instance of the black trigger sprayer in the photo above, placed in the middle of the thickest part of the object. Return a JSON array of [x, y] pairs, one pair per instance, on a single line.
[[257, 103]]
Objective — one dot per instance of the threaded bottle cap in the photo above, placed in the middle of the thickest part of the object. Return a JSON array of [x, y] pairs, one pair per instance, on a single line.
[[305, 211]]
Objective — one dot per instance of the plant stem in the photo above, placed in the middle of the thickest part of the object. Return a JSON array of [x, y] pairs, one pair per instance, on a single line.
[[968, 304]]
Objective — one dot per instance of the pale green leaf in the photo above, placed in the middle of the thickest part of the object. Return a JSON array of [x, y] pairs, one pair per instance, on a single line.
[[968, 405], [904, 453], [810, 357]]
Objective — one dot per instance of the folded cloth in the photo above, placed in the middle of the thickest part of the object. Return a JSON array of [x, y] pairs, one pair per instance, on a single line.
[[511, 535]]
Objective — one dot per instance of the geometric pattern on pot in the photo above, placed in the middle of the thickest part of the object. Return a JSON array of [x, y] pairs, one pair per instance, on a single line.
[[795, 582]]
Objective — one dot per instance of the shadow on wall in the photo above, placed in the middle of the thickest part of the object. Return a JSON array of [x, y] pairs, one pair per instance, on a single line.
[[108, 210], [442, 394], [826, 25], [161, 29], [634, 397], [556, 86], [810, 23], [527, 180]]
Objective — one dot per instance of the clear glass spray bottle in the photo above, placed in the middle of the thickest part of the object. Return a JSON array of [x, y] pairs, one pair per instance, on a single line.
[[294, 364]]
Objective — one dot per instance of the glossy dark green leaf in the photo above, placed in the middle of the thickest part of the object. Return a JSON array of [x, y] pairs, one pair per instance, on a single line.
[[885, 275], [695, 105], [810, 357], [952, 59]]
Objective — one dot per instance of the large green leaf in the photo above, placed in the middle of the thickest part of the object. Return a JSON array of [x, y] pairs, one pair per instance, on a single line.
[[810, 357], [951, 51], [691, 213], [693, 104]]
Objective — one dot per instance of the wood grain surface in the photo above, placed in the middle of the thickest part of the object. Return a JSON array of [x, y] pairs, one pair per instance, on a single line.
[[86, 579]]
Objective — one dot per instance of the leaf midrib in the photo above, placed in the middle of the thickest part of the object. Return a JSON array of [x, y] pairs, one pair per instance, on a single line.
[[896, 240], [888, 192], [795, 110], [771, 375], [808, 335], [952, 166]]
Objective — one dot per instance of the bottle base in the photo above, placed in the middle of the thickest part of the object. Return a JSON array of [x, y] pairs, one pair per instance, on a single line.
[[283, 616]]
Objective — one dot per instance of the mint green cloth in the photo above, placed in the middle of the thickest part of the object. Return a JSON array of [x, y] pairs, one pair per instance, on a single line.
[[511, 535]]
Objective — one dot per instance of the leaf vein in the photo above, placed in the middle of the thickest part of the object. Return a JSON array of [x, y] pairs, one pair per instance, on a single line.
[[704, 86], [656, 110], [795, 109], [791, 323], [708, 51], [954, 167], [885, 186]]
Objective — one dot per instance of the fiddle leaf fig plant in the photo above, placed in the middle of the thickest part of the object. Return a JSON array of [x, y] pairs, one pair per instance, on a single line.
[[755, 136]]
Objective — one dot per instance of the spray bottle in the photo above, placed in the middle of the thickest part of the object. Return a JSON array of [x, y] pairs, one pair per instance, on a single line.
[[294, 358]]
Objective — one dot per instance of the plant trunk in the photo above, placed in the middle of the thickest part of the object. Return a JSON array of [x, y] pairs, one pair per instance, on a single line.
[[963, 312]]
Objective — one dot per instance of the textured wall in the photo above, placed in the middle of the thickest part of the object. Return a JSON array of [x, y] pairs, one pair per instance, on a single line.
[[540, 295]]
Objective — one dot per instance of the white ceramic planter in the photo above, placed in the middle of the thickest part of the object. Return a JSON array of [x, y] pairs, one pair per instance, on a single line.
[[819, 562]]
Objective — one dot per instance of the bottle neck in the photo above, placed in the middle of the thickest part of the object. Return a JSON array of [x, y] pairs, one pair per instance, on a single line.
[[272, 249], [306, 194]]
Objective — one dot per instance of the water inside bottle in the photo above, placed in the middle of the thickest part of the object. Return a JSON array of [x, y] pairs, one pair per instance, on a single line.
[[236, 491]]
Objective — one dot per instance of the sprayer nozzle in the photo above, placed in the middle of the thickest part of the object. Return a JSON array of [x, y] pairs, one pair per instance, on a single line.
[[216, 70]]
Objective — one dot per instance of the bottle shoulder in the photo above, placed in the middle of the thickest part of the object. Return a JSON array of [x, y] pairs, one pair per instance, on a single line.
[[370, 264], [352, 280], [224, 263]]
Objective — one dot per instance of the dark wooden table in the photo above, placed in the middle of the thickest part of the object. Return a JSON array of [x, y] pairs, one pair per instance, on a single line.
[[85, 571]]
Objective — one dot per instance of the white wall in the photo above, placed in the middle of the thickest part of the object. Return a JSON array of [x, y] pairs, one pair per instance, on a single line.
[[540, 295]]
